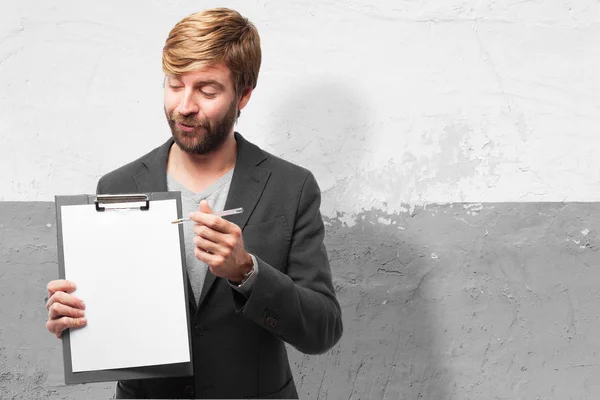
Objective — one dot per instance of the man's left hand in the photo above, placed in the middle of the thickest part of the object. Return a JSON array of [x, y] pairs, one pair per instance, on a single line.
[[220, 245]]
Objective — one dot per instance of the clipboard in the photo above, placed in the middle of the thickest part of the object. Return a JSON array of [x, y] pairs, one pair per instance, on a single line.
[[120, 251]]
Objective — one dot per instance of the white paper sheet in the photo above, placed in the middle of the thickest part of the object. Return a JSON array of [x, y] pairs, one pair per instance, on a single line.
[[128, 270]]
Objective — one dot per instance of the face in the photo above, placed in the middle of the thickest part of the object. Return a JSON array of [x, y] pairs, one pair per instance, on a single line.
[[201, 108]]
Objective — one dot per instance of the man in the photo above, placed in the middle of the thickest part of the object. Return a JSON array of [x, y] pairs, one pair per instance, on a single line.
[[258, 279]]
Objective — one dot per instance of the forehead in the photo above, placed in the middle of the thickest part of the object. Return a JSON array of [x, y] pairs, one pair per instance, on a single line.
[[218, 73]]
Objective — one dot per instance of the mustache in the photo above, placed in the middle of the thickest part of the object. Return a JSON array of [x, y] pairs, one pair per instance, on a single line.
[[189, 120]]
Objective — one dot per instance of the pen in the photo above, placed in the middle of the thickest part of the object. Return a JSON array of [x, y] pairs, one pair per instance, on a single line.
[[218, 214]]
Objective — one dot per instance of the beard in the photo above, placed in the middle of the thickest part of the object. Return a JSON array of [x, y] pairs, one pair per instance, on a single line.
[[207, 135]]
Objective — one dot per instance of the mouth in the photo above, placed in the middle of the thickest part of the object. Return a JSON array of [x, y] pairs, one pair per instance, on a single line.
[[186, 128]]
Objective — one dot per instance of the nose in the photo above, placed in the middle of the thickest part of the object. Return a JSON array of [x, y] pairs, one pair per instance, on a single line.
[[188, 105]]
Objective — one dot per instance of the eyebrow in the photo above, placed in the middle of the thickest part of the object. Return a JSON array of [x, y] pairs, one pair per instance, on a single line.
[[210, 82], [206, 82]]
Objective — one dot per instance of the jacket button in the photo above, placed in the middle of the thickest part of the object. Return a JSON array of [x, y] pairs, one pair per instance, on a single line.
[[199, 330], [189, 390], [270, 321]]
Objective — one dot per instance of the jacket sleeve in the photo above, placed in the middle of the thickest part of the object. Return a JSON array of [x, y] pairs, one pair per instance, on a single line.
[[298, 306], [100, 187]]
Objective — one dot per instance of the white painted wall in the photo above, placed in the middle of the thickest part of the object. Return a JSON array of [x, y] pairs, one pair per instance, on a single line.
[[398, 102]]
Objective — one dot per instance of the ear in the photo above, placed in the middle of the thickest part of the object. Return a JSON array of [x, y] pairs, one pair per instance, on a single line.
[[245, 98]]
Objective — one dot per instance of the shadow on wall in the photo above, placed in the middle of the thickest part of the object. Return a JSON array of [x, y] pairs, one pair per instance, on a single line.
[[325, 127], [389, 349]]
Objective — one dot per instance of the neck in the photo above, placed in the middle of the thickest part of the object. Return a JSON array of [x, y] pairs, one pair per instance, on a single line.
[[198, 171]]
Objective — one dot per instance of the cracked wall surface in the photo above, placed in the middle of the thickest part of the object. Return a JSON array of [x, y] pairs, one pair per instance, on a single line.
[[387, 102], [456, 302]]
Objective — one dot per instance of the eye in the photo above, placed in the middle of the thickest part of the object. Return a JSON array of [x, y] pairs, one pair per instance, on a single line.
[[208, 95], [174, 83]]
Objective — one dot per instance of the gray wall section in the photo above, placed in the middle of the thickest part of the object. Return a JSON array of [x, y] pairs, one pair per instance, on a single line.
[[444, 302]]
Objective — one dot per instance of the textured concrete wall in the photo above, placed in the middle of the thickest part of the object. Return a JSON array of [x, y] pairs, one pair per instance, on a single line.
[[474, 106], [457, 302], [388, 102]]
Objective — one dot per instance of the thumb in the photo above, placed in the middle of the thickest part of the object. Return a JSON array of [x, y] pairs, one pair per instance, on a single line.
[[205, 208]]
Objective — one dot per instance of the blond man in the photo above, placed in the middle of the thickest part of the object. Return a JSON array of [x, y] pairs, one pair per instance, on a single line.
[[258, 280]]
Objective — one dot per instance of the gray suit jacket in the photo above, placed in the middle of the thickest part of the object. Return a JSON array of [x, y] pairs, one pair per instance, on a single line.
[[238, 343]]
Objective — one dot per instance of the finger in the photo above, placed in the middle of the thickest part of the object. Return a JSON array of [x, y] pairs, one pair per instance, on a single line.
[[61, 285], [211, 247], [58, 310], [213, 222], [57, 326], [208, 258], [204, 207], [204, 218], [225, 242], [210, 234], [65, 298]]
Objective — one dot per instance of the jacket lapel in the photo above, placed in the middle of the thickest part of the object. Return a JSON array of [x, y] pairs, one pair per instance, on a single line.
[[247, 185], [154, 177]]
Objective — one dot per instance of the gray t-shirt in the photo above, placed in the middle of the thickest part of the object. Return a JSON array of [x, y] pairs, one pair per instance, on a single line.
[[216, 195]]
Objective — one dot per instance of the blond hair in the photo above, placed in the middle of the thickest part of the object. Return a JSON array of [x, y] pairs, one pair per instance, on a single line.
[[213, 36]]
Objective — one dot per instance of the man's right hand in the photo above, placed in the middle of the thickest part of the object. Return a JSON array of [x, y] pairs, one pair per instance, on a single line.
[[64, 310]]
